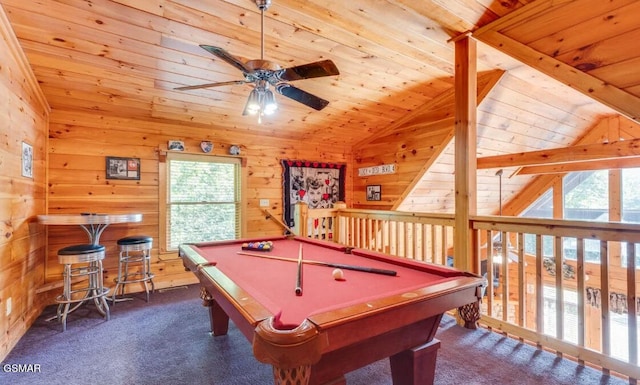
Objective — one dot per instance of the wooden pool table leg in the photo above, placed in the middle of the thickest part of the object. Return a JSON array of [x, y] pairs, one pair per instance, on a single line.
[[415, 366], [218, 319], [470, 313], [298, 375]]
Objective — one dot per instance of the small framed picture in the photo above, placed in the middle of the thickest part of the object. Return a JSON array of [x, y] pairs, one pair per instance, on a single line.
[[176, 145], [27, 160], [374, 192], [123, 168]]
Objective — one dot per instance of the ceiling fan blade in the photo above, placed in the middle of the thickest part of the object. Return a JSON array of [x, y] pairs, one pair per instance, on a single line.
[[301, 96], [207, 85], [226, 56], [308, 71]]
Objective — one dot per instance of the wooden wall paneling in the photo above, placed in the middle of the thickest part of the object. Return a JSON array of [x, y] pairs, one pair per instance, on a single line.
[[78, 148], [22, 248]]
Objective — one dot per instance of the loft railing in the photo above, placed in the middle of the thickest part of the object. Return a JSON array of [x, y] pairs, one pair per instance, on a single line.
[[424, 237], [590, 311]]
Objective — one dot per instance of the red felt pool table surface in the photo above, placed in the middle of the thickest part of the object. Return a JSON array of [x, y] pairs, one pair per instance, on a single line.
[[334, 326], [272, 282]]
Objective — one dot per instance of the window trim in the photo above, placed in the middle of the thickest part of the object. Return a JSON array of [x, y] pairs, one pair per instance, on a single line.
[[163, 192]]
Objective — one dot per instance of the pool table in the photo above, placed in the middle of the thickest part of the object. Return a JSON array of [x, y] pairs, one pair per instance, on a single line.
[[335, 325]]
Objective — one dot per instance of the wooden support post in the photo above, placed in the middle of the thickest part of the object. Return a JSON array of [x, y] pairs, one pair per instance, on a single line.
[[300, 218], [615, 214], [339, 225], [465, 149]]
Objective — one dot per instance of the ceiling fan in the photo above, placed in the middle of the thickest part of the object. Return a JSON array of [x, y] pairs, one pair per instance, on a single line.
[[263, 74]]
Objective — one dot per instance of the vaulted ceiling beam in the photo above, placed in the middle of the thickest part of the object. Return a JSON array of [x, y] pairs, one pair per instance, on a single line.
[[593, 165], [589, 152]]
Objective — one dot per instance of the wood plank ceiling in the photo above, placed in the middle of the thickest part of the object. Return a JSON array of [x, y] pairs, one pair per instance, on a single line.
[[125, 57]]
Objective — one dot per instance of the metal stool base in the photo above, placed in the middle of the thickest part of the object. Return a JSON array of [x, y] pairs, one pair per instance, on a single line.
[[134, 251], [91, 257]]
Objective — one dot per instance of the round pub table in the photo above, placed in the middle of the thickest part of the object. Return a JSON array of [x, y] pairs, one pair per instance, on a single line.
[[93, 224]]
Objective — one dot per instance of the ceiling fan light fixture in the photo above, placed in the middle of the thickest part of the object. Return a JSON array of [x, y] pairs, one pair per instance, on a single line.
[[253, 103], [270, 104]]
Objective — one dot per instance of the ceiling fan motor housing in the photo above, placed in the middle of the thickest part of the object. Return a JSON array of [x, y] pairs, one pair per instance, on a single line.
[[263, 5]]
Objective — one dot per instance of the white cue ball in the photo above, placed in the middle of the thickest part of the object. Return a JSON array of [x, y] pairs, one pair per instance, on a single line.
[[338, 275]]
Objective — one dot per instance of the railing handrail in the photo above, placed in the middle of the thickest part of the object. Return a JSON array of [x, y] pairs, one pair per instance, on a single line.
[[612, 231], [428, 237]]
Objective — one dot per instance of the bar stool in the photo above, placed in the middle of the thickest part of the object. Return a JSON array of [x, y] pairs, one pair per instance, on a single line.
[[89, 257], [135, 253]]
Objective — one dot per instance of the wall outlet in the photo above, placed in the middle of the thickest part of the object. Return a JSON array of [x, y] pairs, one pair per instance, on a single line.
[[8, 306], [264, 203]]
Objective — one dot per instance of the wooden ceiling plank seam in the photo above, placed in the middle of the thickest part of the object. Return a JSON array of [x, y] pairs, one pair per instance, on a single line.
[[613, 97], [511, 116], [521, 14], [502, 8], [474, 12], [428, 8], [76, 21], [623, 74], [606, 22], [559, 106], [150, 6], [355, 29], [616, 49], [570, 17]]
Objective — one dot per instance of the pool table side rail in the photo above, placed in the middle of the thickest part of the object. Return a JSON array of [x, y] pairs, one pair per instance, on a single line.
[[411, 306], [441, 270], [234, 300]]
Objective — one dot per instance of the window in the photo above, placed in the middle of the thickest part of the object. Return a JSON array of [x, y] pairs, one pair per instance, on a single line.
[[541, 208], [586, 195], [631, 195], [202, 201]]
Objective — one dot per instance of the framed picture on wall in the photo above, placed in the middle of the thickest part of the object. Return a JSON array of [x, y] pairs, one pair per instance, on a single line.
[[27, 160], [123, 168], [318, 184], [374, 192]]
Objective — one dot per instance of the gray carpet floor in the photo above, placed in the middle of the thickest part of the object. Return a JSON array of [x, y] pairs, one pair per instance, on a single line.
[[166, 341]]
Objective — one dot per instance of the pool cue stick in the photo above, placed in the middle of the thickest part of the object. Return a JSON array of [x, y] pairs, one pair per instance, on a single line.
[[299, 278], [278, 221], [327, 264]]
